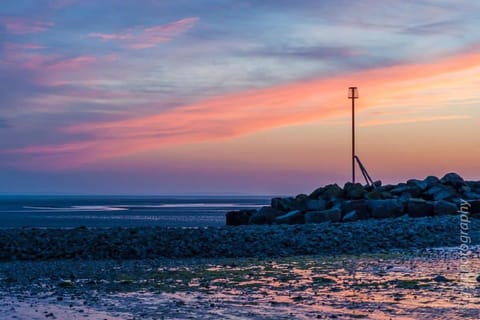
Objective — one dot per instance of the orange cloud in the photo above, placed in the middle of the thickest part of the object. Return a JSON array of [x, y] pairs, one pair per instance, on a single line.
[[251, 111]]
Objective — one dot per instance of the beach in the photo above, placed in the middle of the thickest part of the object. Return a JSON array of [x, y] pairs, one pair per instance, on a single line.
[[369, 269], [399, 284]]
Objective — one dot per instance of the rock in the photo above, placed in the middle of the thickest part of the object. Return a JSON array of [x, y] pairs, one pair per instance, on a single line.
[[279, 204], [332, 191], [292, 217], [359, 206], [471, 196], [440, 192], [317, 193], [419, 208], [388, 208], [406, 189], [315, 205], [332, 215], [464, 189], [377, 184], [440, 278], [265, 215], [453, 180], [421, 185], [431, 181], [289, 204], [373, 195], [236, 218], [478, 278], [443, 207], [353, 190], [350, 216]]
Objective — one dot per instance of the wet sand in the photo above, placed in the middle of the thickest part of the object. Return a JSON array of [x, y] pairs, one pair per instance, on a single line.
[[424, 284]]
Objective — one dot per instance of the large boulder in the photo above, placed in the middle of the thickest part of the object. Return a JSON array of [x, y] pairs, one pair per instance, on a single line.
[[422, 185], [317, 193], [266, 215], [388, 208], [359, 206], [407, 190], [292, 217], [332, 191], [419, 208], [290, 203], [353, 190], [471, 196], [332, 215], [236, 218], [453, 179], [351, 216], [280, 204], [431, 181], [440, 192], [315, 204], [443, 207]]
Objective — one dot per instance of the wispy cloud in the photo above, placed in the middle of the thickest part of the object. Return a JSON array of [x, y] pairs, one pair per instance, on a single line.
[[148, 37], [252, 111], [22, 26]]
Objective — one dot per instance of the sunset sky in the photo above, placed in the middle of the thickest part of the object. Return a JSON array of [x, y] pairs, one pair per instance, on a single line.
[[241, 97]]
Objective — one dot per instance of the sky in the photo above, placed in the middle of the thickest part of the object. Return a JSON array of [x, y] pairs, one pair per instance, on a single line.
[[234, 97]]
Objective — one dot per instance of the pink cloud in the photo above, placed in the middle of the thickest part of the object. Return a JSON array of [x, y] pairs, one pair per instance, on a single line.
[[252, 111], [25, 26], [148, 37]]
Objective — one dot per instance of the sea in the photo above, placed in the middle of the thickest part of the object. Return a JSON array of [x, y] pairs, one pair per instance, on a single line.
[[121, 211]]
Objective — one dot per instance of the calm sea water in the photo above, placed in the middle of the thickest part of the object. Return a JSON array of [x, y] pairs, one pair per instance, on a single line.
[[120, 211]]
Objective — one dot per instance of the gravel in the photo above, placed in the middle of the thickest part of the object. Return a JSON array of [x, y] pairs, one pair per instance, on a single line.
[[243, 241]]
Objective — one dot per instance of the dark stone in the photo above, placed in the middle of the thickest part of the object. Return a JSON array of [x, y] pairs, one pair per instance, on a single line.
[[265, 215], [315, 204], [440, 192], [236, 218], [353, 190], [292, 217], [443, 207], [279, 204], [350, 216], [440, 278], [317, 193], [374, 195], [289, 204], [453, 180], [431, 181], [421, 185], [419, 208], [332, 215], [471, 196], [388, 208], [332, 191], [406, 189], [359, 206]]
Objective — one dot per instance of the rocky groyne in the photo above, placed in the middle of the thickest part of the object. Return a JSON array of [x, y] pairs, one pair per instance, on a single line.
[[415, 198]]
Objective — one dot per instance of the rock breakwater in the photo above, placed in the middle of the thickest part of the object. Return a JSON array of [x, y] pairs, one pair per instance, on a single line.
[[415, 198]]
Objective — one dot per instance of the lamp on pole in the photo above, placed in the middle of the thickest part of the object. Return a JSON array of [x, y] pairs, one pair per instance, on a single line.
[[353, 94]]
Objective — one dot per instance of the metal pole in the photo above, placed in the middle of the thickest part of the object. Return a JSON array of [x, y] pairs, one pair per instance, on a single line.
[[353, 138]]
